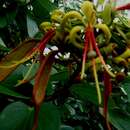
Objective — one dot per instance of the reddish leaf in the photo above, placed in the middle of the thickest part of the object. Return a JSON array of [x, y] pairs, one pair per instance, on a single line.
[[42, 78], [17, 54], [41, 82], [22, 53], [107, 92]]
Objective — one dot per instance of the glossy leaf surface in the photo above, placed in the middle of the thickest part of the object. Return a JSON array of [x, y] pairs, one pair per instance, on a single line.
[[85, 91], [41, 10], [6, 91], [119, 120], [49, 118], [15, 117]]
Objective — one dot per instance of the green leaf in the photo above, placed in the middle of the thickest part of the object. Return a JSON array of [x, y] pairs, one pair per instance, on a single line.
[[14, 77], [66, 127], [6, 91], [85, 91], [15, 117], [101, 1], [32, 27], [50, 89], [118, 40], [119, 120], [127, 90], [126, 80], [10, 16], [7, 18], [126, 86], [4, 49], [106, 14], [28, 73], [49, 117], [60, 76], [42, 9], [3, 22], [2, 44]]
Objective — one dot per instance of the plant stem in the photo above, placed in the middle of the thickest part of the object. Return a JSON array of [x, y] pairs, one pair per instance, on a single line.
[[84, 54], [99, 54]]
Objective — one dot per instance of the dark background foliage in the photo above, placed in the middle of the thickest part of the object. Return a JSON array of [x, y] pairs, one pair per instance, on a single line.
[[68, 105]]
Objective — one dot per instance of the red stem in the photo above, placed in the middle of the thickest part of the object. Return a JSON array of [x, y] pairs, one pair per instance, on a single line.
[[124, 7], [86, 42], [36, 114], [47, 37], [107, 92], [93, 40], [85, 47]]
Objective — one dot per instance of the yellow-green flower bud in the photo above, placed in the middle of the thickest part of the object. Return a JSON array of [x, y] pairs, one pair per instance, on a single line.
[[89, 12], [45, 26]]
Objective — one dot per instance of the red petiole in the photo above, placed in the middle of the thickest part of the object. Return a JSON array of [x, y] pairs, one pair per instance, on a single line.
[[48, 36], [93, 40]]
